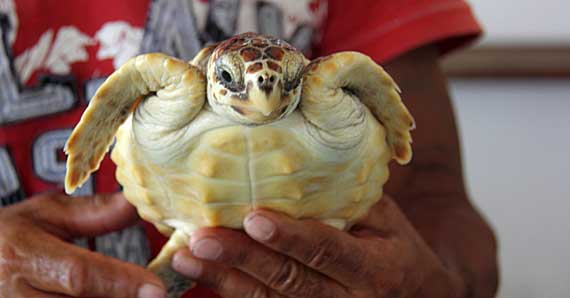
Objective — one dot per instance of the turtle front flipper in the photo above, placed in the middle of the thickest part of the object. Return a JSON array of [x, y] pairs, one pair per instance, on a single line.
[[201, 59], [330, 86], [114, 101], [176, 283]]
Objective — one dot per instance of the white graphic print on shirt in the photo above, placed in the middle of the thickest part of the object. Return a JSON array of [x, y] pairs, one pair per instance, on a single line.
[[118, 41], [176, 27], [54, 54]]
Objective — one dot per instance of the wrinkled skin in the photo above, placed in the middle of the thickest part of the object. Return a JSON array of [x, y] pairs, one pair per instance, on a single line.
[[428, 241], [36, 260], [382, 256], [449, 250]]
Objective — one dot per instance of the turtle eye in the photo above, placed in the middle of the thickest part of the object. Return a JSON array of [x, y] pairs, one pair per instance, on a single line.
[[226, 77], [229, 75]]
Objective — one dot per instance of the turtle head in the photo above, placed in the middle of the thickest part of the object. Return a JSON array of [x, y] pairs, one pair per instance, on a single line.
[[254, 79]]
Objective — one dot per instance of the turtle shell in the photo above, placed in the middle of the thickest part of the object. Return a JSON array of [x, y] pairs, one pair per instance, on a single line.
[[229, 170]]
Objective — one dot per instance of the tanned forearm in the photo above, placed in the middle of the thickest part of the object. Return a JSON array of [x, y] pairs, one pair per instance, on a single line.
[[430, 190]]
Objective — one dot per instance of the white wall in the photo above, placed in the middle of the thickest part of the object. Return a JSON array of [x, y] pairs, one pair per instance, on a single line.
[[516, 144], [535, 22]]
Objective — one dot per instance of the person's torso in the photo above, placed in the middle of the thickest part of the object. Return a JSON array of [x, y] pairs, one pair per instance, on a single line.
[[54, 55]]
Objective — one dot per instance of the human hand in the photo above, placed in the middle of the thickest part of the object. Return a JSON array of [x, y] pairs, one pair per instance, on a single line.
[[36, 260], [382, 256]]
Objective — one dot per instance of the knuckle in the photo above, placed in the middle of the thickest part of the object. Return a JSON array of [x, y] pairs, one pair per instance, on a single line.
[[7, 259], [74, 276], [259, 291], [327, 252], [10, 242], [217, 281], [292, 278], [288, 278]]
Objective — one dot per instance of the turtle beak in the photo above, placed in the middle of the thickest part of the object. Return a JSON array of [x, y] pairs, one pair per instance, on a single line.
[[265, 95]]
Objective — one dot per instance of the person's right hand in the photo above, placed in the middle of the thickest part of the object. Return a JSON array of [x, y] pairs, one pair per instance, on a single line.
[[36, 261]]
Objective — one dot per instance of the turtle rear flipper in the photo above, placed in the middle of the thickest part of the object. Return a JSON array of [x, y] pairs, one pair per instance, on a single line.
[[176, 283]]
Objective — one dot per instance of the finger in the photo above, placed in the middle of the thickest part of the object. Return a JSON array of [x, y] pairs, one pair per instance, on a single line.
[[39, 294], [20, 288], [26, 291], [225, 281], [83, 216], [54, 266], [279, 272], [327, 250]]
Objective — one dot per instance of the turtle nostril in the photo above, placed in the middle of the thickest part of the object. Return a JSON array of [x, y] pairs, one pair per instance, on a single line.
[[265, 81]]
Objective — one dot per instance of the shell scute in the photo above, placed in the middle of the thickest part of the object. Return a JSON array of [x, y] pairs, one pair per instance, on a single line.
[[186, 207], [212, 164], [229, 140], [235, 169], [289, 189], [278, 163], [266, 139], [215, 191], [230, 215]]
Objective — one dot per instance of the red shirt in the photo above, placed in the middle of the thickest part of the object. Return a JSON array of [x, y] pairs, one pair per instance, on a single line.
[[53, 54]]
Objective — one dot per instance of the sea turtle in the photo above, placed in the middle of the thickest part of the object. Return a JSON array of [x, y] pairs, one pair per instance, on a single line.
[[248, 123]]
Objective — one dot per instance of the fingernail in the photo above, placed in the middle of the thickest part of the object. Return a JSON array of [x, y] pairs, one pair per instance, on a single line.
[[259, 227], [151, 291], [187, 266], [207, 248]]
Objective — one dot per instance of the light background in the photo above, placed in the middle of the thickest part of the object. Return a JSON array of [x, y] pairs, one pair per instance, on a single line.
[[527, 22], [516, 146]]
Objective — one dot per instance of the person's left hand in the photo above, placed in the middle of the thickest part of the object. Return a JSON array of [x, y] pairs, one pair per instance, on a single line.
[[381, 256]]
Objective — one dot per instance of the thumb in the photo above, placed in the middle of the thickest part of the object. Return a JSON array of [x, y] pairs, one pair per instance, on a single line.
[[86, 216]]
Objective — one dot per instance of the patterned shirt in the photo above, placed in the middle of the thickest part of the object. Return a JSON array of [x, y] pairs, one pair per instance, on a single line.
[[55, 53]]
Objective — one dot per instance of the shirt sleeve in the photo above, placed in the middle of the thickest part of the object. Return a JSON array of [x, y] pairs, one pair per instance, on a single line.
[[384, 29]]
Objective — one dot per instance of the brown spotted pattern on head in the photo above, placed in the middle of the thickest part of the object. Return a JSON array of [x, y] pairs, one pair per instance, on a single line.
[[255, 67], [258, 73], [259, 43], [274, 66], [274, 53], [250, 54], [254, 47]]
